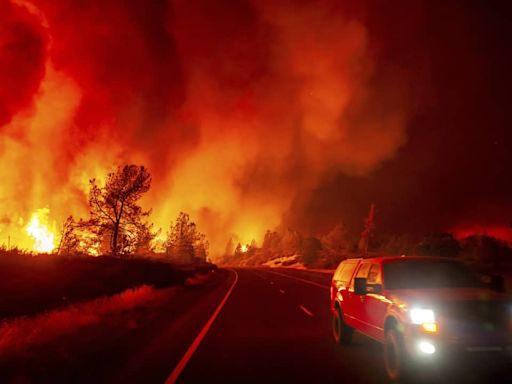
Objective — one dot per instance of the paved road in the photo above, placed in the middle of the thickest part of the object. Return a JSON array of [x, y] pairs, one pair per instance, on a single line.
[[241, 326], [275, 327]]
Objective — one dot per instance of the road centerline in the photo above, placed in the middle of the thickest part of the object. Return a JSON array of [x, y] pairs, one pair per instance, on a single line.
[[197, 341]]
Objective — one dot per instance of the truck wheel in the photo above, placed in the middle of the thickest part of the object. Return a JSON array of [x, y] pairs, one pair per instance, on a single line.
[[395, 358], [341, 331]]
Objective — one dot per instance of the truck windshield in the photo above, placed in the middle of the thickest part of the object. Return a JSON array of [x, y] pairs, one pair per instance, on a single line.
[[407, 274]]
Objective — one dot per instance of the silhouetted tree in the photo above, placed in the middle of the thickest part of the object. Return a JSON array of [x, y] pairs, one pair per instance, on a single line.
[[238, 249], [272, 244], [438, 244], [114, 209], [69, 240], [143, 244], [311, 246], [486, 249], [201, 247], [290, 242], [397, 245], [230, 248], [335, 240], [184, 242]]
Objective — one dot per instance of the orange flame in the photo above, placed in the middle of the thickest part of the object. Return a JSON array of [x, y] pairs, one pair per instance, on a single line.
[[39, 230]]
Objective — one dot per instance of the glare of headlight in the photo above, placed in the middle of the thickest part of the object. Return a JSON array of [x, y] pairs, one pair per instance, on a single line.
[[421, 315], [426, 347]]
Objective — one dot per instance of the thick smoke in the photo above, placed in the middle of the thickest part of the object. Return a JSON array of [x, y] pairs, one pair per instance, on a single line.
[[238, 109], [23, 45]]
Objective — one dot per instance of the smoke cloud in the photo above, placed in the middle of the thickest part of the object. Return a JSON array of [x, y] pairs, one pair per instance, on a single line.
[[237, 109], [23, 46]]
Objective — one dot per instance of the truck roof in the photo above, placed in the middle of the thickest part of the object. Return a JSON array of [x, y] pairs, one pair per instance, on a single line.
[[381, 259]]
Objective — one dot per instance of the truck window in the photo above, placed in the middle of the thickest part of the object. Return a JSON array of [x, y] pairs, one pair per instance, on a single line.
[[421, 274], [347, 272], [374, 274], [363, 270], [339, 271]]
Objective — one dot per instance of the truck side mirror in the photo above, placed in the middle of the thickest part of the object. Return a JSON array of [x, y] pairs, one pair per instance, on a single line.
[[360, 286]]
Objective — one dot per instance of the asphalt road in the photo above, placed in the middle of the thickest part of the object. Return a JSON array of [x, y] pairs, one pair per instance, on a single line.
[[240, 326], [275, 327]]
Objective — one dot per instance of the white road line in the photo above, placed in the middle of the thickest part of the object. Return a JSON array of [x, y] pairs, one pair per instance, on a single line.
[[283, 292], [303, 280], [190, 351], [309, 313]]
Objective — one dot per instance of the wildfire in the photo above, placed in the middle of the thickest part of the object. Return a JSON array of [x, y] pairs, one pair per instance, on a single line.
[[244, 248], [38, 229]]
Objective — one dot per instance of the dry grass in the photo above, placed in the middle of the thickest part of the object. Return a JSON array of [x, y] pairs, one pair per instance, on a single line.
[[32, 284]]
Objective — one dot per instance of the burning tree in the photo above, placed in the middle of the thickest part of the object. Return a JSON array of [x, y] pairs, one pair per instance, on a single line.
[[184, 242], [201, 247], [115, 213], [69, 240], [143, 244]]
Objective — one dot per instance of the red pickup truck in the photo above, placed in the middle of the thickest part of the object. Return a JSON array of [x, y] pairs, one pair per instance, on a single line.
[[421, 309]]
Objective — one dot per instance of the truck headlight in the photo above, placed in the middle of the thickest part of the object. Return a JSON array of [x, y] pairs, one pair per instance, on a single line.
[[425, 318], [421, 315]]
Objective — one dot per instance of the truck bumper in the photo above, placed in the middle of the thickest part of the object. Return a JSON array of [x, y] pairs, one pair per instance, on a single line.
[[435, 349]]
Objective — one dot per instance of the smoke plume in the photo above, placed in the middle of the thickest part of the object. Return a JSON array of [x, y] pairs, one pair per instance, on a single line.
[[237, 109]]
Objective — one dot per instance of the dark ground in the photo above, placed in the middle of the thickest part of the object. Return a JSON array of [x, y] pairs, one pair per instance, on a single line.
[[31, 284]]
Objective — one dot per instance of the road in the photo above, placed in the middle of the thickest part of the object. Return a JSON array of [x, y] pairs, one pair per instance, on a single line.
[[275, 327], [244, 325]]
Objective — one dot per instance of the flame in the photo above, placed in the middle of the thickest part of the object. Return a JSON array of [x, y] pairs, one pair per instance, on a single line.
[[38, 229], [244, 248]]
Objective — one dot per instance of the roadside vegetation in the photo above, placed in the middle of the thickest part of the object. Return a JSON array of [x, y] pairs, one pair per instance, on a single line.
[[30, 285], [119, 227], [291, 248], [111, 251]]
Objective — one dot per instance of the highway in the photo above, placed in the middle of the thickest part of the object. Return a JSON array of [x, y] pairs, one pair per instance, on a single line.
[[239, 326], [275, 327]]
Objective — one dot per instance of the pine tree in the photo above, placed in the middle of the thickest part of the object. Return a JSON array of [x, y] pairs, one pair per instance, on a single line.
[[114, 209], [184, 242]]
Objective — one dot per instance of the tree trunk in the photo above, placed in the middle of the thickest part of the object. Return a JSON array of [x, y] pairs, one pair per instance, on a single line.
[[115, 235]]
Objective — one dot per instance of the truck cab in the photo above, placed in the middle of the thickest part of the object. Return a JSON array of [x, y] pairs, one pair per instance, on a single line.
[[420, 308]]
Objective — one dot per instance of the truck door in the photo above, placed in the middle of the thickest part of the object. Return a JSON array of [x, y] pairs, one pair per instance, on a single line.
[[354, 308], [375, 304], [343, 294]]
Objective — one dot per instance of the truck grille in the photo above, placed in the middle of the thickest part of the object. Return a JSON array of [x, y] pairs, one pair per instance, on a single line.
[[476, 317]]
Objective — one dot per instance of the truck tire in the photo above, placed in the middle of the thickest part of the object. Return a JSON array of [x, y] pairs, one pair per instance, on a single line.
[[395, 357], [342, 333]]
